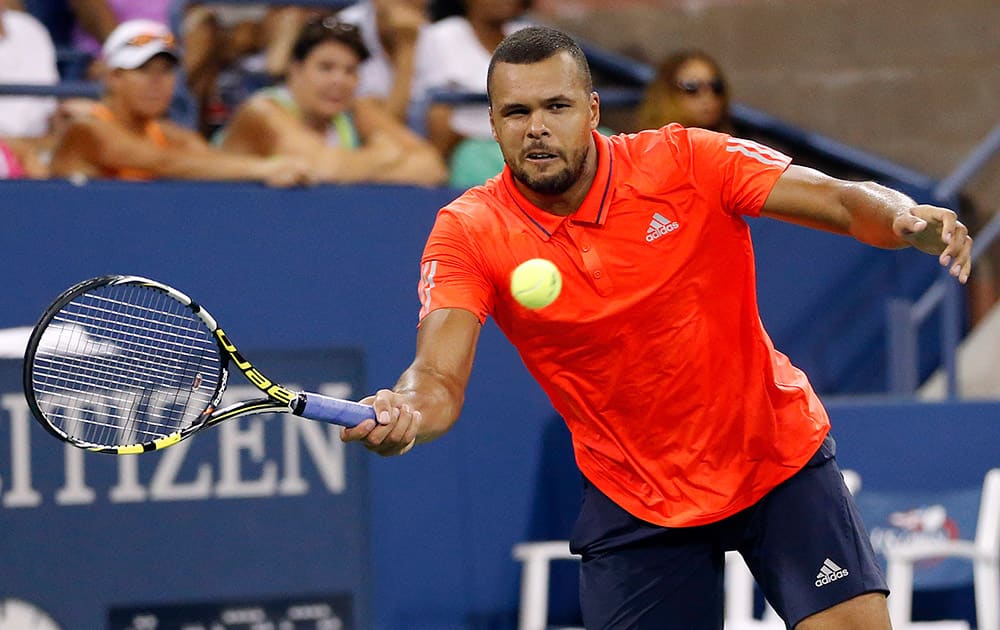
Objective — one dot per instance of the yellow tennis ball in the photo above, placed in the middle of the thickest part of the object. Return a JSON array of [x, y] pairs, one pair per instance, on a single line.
[[535, 283]]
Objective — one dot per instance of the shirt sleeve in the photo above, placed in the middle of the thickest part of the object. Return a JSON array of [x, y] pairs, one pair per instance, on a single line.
[[743, 171], [452, 271]]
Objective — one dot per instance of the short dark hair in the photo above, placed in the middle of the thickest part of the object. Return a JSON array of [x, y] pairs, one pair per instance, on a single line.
[[537, 43], [328, 29]]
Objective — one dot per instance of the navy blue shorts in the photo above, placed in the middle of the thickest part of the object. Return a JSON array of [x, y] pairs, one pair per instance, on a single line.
[[804, 542]]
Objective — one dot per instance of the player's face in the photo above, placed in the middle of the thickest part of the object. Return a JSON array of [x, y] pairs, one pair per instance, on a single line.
[[148, 89], [542, 117], [325, 81]]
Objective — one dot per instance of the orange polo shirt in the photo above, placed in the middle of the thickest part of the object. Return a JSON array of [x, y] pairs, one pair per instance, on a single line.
[[680, 408]]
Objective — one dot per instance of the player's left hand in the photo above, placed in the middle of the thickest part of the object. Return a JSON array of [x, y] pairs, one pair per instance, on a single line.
[[394, 433], [938, 231]]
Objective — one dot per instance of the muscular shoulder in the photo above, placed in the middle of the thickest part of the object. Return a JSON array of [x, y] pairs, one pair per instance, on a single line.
[[669, 151], [90, 131], [659, 145], [80, 145], [178, 135], [481, 205], [260, 109], [255, 124]]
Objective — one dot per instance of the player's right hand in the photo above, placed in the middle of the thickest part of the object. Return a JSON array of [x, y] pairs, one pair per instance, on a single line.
[[938, 231], [395, 431]]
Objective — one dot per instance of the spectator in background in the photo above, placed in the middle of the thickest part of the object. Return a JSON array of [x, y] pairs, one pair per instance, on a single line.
[[27, 55], [222, 43], [215, 37], [11, 163], [315, 115], [126, 135], [689, 88], [233, 50], [453, 54], [96, 19], [389, 29], [29, 126]]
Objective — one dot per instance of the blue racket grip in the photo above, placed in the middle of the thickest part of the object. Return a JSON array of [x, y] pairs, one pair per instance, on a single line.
[[334, 410]]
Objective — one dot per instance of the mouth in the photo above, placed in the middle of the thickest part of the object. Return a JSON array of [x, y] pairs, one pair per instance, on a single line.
[[541, 156]]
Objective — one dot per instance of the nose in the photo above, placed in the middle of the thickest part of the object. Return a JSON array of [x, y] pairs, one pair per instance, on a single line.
[[536, 125]]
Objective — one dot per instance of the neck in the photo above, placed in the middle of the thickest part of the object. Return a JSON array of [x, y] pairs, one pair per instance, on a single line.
[[314, 121], [126, 117]]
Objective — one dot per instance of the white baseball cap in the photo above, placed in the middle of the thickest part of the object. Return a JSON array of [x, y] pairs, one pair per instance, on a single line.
[[135, 42]]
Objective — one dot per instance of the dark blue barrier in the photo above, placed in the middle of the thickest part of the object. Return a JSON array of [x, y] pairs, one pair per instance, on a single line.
[[308, 269], [338, 267], [261, 518]]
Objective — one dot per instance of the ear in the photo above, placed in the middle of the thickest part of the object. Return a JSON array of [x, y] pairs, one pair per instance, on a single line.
[[112, 76], [595, 110], [293, 68], [493, 129]]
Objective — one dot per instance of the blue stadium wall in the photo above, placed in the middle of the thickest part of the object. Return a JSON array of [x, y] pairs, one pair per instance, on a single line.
[[334, 269]]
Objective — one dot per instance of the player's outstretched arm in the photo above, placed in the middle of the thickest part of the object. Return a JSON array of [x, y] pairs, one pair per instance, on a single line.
[[871, 213], [428, 397]]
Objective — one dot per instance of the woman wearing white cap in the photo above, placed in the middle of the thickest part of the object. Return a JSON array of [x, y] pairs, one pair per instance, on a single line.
[[127, 136]]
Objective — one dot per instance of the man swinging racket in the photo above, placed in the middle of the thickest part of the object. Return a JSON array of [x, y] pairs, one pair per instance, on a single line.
[[693, 433]]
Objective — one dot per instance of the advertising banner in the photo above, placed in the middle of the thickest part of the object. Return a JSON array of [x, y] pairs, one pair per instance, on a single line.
[[259, 522]]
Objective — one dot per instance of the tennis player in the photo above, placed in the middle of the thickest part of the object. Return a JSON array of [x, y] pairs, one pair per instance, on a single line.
[[693, 433]]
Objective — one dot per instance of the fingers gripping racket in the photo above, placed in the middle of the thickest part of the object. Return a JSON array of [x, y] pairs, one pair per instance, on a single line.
[[123, 364]]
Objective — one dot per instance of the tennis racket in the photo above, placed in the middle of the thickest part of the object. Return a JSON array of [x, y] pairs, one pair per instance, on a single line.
[[124, 364]]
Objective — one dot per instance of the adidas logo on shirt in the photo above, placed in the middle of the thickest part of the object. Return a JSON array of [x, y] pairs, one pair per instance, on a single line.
[[660, 226], [830, 572]]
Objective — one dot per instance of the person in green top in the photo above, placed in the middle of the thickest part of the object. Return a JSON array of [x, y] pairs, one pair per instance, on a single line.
[[315, 114]]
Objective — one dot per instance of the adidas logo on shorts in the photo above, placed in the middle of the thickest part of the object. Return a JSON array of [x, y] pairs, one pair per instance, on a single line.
[[829, 572]]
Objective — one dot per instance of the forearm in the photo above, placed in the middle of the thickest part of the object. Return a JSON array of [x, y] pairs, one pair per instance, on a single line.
[[334, 165], [398, 101], [864, 210], [95, 17], [871, 209], [427, 398], [439, 130], [438, 400], [423, 167], [872, 214], [210, 165]]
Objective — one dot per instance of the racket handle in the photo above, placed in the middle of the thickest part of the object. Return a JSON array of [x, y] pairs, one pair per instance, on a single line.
[[334, 410]]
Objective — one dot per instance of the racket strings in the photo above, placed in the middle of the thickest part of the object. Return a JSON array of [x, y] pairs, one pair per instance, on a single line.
[[125, 364]]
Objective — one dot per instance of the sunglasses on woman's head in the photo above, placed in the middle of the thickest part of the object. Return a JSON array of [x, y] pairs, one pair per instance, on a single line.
[[717, 86], [331, 23]]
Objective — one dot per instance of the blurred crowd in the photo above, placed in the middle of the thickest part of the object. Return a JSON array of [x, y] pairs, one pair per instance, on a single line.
[[283, 94]]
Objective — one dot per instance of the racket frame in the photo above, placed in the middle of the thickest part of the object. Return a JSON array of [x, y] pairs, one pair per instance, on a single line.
[[279, 399]]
